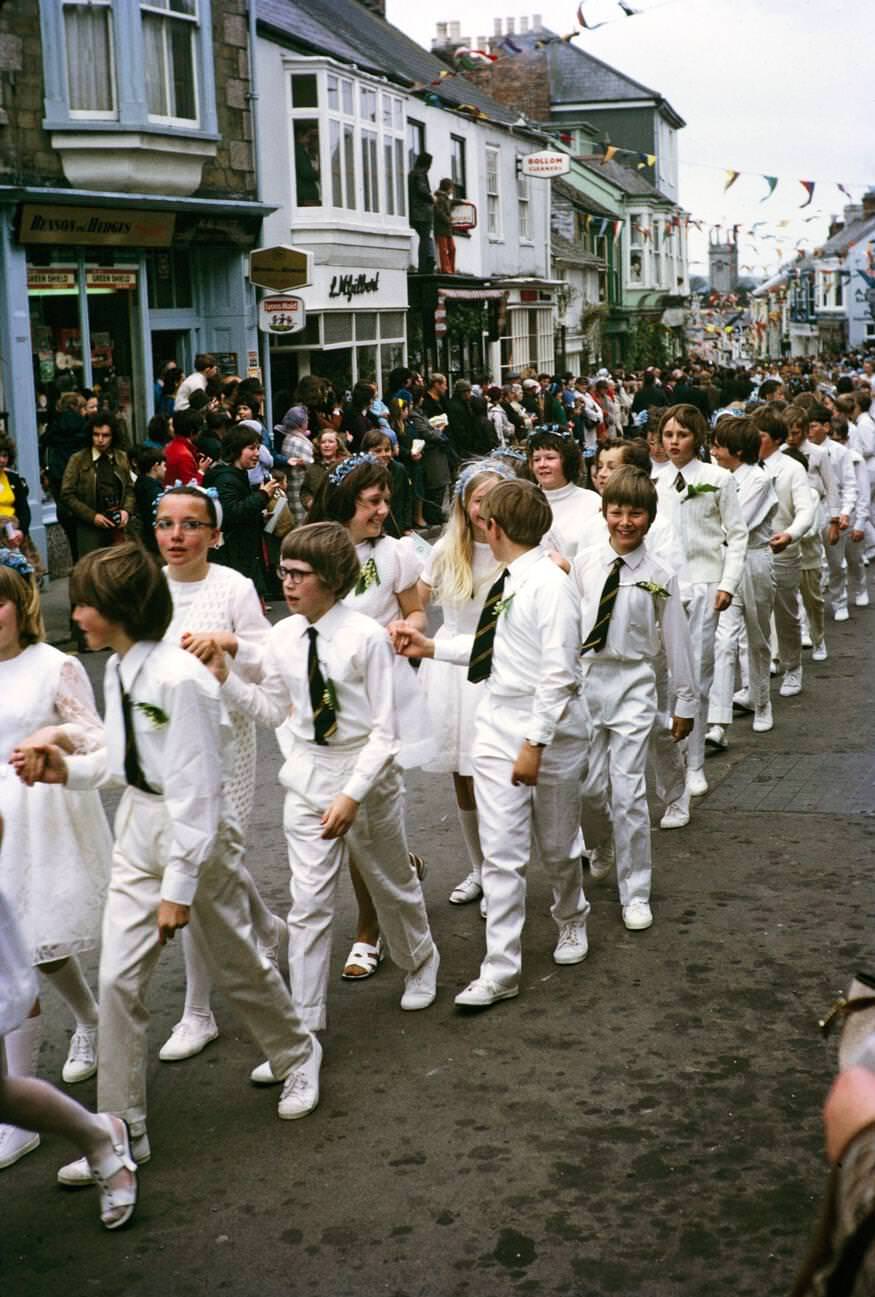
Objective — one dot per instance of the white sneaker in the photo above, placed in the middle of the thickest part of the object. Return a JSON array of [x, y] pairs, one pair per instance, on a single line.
[[601, 860], [482, 907], [805, 640], [697, 784], [763, 721], [420, 986], [637, 916], [188, 1038], [742, 700], [470, 889], [862, 600], [81, 1057], [15, 1144], [263, 1075], [78, 1174], [677, 814], [482, 992], [572, 946], [841, 614], [820, 654], [791, 685], [301, 1087], [715, 737]]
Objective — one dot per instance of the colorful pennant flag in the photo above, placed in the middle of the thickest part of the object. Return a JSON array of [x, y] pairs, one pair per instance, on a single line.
[[603, 227], [808, 186], [609, 151], [846, 193], [772, 182], [618, 226], [470, 59], [647, 160], [731, 177]]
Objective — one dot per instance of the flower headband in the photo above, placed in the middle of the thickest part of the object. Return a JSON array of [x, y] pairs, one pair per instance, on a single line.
[[508, 452], [209, 491], [470, 471], [15, 560], [336, 476], [555, 429]]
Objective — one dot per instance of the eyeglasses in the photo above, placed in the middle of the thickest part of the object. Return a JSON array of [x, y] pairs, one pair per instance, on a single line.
[[187, 524], [294, 575]]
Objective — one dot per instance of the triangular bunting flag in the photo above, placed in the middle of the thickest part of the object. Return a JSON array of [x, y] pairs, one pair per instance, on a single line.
[[618, 226], [603, 227], [808, 186], [772, 182], [647, 160], [610, 150], [731, 177]]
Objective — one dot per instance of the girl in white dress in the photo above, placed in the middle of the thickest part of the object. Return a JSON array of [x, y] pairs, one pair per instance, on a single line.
[[457, 575], [213, 604], [357, 495], [54, 861]]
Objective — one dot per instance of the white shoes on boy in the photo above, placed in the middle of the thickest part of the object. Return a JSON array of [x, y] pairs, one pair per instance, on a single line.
[[637, 916], [482, 992], [601, 860], [81, 1061], [697, 784], [819, 653], [300, 1093], [572, 946], [420, 986], [763, 720], [188, 1037], [791, 685]]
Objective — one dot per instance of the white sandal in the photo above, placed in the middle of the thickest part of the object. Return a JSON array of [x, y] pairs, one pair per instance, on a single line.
[[116, 1197], [363, 956], [470, 889]]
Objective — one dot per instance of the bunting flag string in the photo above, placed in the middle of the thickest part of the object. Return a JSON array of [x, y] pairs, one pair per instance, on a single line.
[[808, 186], [772, 182], [731, 177]]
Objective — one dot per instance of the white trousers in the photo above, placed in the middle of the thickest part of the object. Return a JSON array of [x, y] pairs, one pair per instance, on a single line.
[[622, 701], [514, 820], [377, 843], [702, 619], [854, 552], [750, 612], [787, 627], [836, 584], [665, 757], [220, 916]]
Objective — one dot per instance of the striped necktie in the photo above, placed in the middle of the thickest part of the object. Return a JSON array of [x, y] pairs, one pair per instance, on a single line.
[[480, 661], [133, 770], [598, 636], [679, 484], [324, 715]]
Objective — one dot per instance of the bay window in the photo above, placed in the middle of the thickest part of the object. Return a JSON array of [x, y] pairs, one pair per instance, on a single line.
[[169, 28], [89, 60]]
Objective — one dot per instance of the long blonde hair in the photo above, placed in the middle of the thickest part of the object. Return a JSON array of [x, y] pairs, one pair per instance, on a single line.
[[453, 570]]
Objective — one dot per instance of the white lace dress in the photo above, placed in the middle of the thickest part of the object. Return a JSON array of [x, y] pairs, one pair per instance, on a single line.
[[452, 699], [227, 601], [57, 846], [398, 567]]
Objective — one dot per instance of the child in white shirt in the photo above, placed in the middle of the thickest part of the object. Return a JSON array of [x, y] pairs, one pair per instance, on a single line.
[[555, 464], [630, 614]]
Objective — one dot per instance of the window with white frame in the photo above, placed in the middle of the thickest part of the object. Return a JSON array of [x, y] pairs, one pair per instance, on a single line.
[[89, 62], [458, 167], [523, 204], [637, 253], [169, 32], [660, 267], [349, 144], [493, 192]]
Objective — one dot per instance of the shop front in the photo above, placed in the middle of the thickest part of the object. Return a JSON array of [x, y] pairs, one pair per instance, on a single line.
[[355, 331]]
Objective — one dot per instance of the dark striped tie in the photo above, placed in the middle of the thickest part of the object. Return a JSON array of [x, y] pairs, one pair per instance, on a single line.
[[679, 484], [598, 636], [324, 715], [480, 661], [133, 770]]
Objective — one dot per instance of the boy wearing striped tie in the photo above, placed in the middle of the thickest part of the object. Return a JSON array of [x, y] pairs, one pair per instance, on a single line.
[[328, 669], [532, 730], [630, 613]]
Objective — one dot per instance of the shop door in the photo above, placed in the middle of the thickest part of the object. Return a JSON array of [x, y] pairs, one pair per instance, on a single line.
[[171, 346]]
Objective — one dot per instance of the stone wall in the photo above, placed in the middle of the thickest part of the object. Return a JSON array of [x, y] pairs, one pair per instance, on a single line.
[[26, 155], [521, 83], [232, 171]]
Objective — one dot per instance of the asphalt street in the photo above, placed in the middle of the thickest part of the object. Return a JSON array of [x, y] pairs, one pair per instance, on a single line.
[[646, 1123]]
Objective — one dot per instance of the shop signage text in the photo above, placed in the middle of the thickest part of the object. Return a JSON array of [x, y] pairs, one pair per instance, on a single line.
[[103, 226], [282, 314], [350, 286], [545, 163]]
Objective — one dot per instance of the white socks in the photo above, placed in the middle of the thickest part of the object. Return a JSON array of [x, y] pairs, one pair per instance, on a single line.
[[198, 979], [70, 984], [22, 1047], [471, 835]]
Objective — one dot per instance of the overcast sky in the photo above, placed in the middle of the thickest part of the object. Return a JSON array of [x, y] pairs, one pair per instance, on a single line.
[[765, 86]]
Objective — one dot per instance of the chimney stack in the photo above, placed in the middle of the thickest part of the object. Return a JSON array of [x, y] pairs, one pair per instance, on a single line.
[[455, 31], [537, 25], [869, 203], [440, 33], [510, 26], [496, 26], [524, 26]]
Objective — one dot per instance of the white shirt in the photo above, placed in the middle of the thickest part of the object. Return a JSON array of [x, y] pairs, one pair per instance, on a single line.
[[642, 623], [660, 540], [180, 748], [861, 513], [572, 508], [821, 476], [758, 501], [843, 469], [355, 655], [795, 511], [861, 437], [709, 526], [195, 382], [536, 646]]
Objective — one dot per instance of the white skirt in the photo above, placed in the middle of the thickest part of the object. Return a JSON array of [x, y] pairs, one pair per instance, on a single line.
[[17, 982], [452, 704]]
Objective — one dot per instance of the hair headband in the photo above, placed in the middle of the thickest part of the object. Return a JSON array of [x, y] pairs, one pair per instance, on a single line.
[[14, 559], [336, 476], [470, 471], [209, 491]]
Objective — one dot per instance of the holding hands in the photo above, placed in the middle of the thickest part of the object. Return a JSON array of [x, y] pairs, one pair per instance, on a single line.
[[408, 641]]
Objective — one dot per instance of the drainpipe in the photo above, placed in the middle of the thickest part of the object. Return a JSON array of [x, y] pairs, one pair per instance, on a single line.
[[263, 339]]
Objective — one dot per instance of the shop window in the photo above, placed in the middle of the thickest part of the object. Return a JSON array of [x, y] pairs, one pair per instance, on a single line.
[[90, 65], [493, 193], [169, 42], [524, 208], [415, 141], [366, 326], [305, 92], [458, 166], [366, 364], [392, 324], [168, 277], [338, 327], [308, 181]]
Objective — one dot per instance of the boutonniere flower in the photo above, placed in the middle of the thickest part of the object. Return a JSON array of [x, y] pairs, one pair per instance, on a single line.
[[153, 713], [703, 488], [504, 604], [658, 591], [329, 696], [367, 577]]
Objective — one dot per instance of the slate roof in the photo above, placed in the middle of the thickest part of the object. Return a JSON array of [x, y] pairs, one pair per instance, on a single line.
[[628, 179], [564, 189], [350, 32], [862, 228]]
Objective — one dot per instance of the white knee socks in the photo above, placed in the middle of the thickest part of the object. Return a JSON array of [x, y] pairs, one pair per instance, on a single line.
[[198, 979], [70, 984], [471, 834]]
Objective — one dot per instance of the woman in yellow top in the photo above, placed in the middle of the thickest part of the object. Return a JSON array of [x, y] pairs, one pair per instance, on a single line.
[[15, 507]]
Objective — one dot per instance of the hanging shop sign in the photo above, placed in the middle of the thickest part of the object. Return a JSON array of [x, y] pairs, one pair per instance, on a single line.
[[95, 226], [281, 267], [59, 279], [545, 164], [281, 314]]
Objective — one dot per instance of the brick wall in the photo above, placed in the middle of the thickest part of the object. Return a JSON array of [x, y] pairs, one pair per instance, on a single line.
[[520, 83], [232, 172], [26, 154]]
